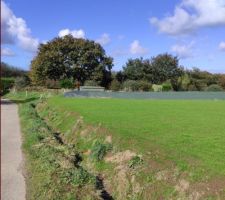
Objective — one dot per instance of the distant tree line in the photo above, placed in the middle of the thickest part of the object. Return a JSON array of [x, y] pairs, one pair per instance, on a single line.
[[67, 61], [11, 71], [164, 70]]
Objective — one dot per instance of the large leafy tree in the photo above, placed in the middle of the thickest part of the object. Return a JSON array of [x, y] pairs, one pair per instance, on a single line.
[[166, 67], [71, 57]]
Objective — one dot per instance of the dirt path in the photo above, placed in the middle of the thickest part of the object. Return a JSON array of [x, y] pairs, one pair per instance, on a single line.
[[12, 183]]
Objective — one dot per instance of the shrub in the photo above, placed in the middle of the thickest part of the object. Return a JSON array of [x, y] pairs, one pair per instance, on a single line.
[[22, 82], [66, 83], [91, 83], [51, 84], [99, 150], [136, 160], [167, 86], [214, 88], [115, 85], [157, 88], [144, 86], [131, 85], [192, 87], [6, 84], [78, 176]]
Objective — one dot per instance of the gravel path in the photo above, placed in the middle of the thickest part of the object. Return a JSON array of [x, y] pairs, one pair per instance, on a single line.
[[12, 183]]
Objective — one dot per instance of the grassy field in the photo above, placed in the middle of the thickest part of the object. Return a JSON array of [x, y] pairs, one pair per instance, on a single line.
[[139, 149], [183, 130]]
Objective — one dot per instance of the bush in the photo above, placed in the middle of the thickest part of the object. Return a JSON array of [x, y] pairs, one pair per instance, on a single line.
[[144, 86], [91, 83], [99, 150], [131, 85], [115, 85], [157, 88], [51, 84], [214, 88], [167, 87], [6, 84], [22, 82], [66, 83]]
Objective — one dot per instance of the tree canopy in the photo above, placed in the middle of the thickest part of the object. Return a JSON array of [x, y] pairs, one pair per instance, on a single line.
[[69, 57], [156, 70]]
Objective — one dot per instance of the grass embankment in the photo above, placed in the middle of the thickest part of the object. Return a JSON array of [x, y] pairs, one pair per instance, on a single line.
[[181, 141], [54, 168]]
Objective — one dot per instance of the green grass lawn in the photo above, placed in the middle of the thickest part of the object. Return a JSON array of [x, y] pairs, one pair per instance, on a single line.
[[189, 133]]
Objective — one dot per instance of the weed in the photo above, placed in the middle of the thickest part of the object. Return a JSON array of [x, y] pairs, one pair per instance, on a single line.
[[99, 150], [135, 161]]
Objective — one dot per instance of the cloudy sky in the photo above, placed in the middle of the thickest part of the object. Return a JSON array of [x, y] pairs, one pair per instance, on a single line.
[[193, 30]]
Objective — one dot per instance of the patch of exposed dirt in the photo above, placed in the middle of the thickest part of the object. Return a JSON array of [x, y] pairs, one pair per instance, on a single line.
[[108, 139], [120, 157]]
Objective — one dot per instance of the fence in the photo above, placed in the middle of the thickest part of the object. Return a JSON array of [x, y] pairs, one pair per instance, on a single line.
[[147, 95]]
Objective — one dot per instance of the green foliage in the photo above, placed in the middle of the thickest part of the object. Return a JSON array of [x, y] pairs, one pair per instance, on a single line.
[[99, 150], [157, 88], [155, 70], [115, 85], [68, 57], [131, 85], [135, 161], [22, 82], [52, 84], [214, 88], [78, 177], [144, 86], [221, 81], [66, 83], [91, 83], [165, 66], [136, 69], [6, 84], [167, 86]]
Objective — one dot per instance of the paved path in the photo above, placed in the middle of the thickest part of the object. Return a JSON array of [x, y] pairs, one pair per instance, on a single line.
[[12, 183]]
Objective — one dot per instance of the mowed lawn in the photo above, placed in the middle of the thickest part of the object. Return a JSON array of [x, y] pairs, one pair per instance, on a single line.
[[191, 133]]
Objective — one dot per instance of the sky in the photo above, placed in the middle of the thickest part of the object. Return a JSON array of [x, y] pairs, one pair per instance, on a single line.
[[193, 30]]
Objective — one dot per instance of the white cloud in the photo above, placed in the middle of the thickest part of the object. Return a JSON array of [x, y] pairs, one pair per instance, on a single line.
[[183, 51], [14, 30], [190, 15], [136, 48], [75, 33], [222, 46], [120, 52], [7, 52], [104, 39]]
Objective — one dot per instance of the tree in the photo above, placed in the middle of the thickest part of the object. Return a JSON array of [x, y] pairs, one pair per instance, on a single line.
[[137, 69], [11, 71], [71, 57], [166, 67]]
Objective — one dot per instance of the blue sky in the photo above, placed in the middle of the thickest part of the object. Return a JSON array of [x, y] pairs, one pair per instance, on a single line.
[[194, 30]]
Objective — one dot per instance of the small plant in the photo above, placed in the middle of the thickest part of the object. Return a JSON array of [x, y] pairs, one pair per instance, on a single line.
[[99, 150], [135, 161], [66, 83], [77, 176]]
